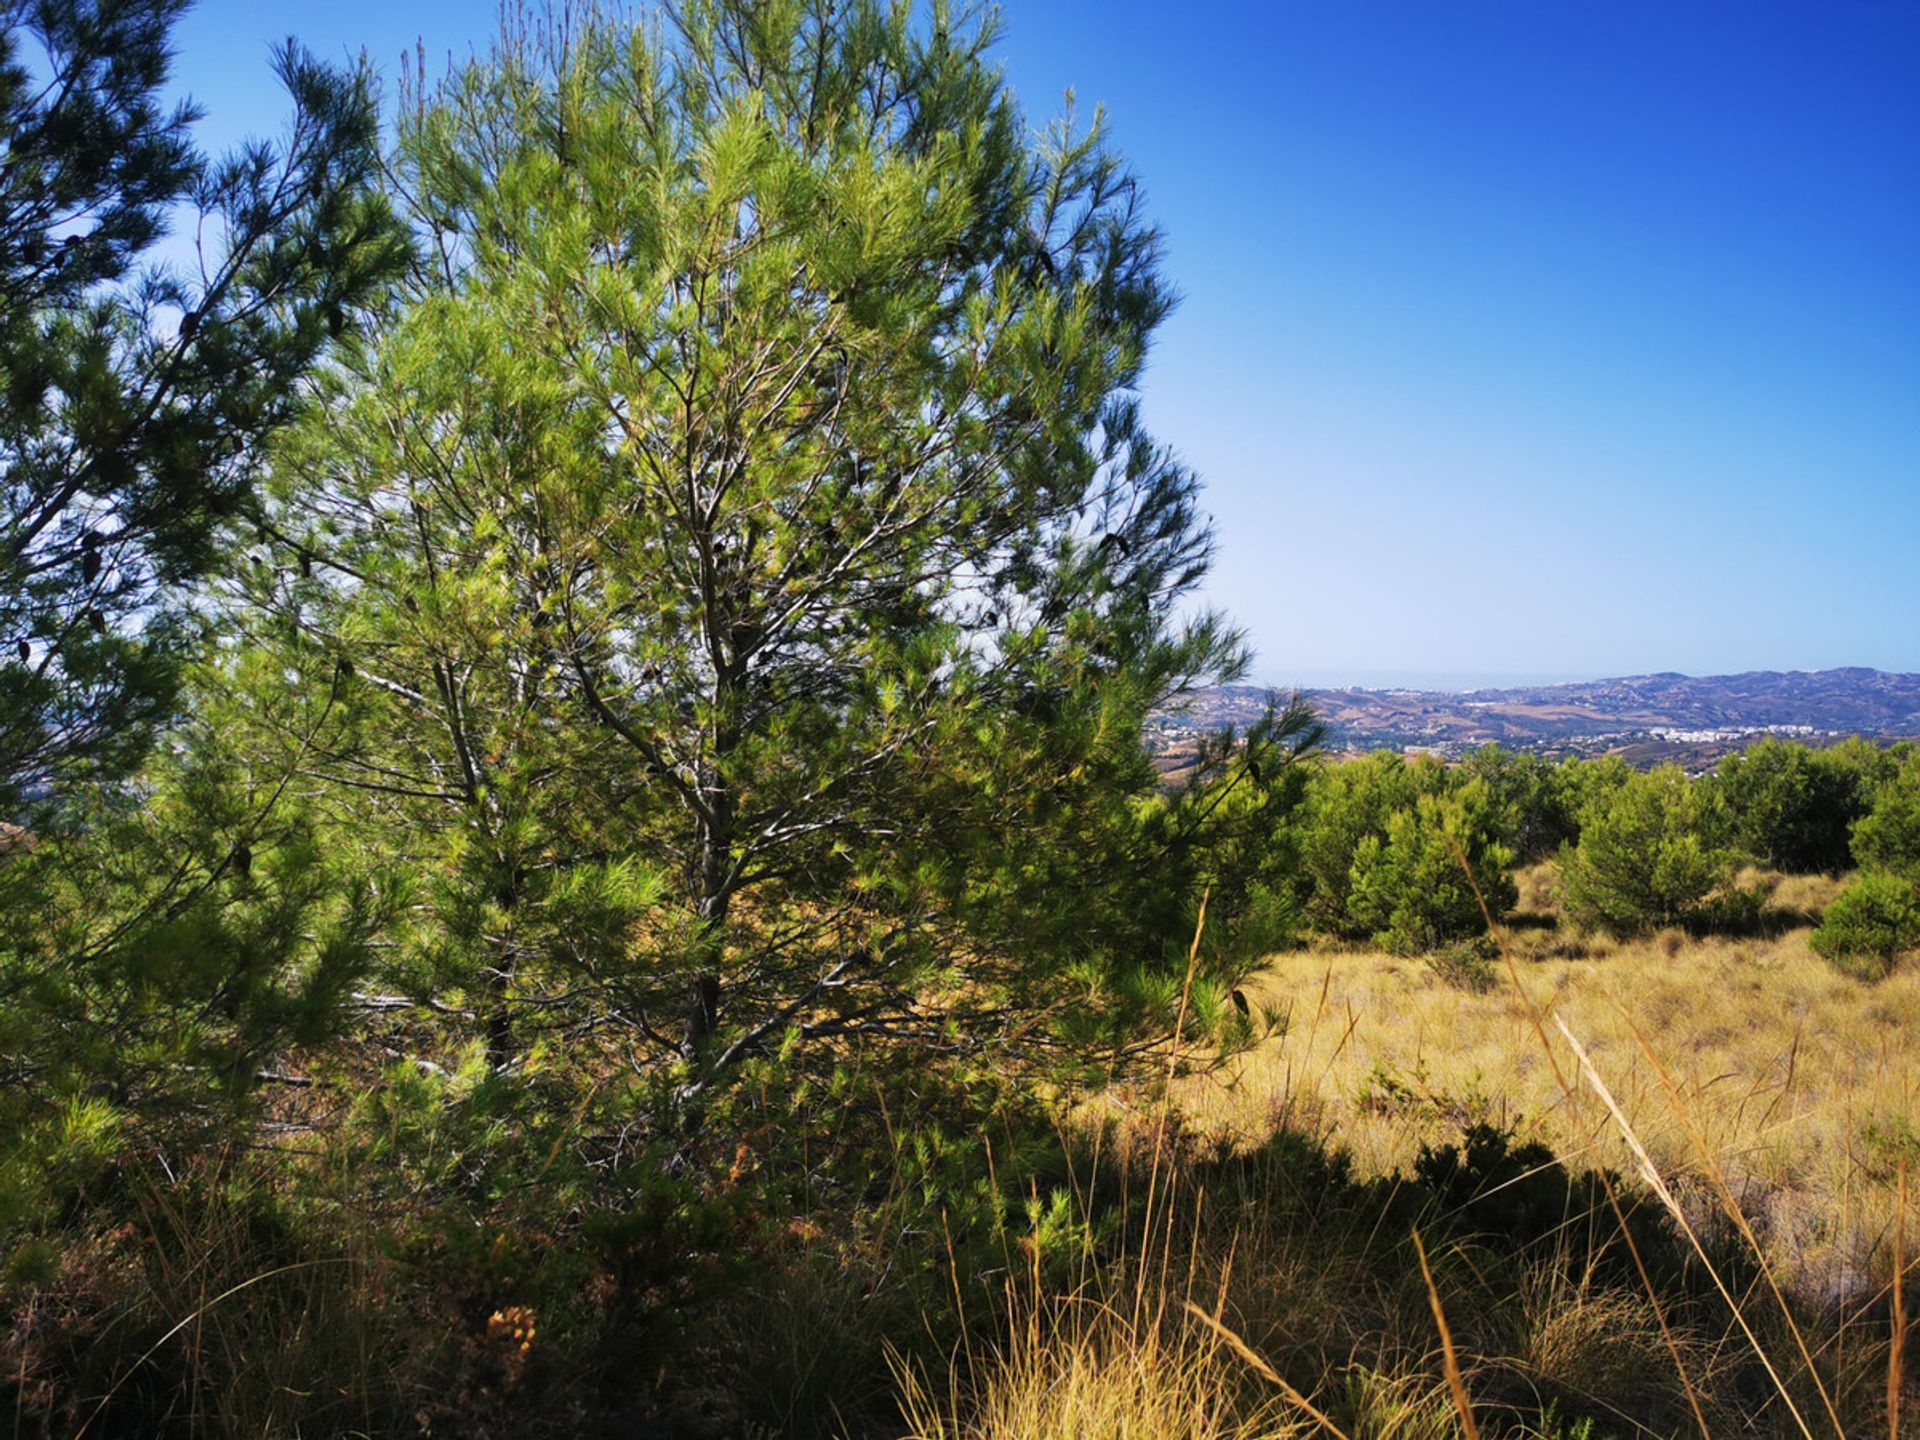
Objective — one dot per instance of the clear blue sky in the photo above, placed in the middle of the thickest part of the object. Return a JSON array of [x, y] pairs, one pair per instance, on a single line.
[[1518, 340]]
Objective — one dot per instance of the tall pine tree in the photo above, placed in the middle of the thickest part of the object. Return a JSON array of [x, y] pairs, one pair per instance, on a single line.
[[754, 489], [137, 393]]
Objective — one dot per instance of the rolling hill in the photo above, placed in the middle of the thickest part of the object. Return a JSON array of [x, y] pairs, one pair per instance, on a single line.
[[1648, 718]]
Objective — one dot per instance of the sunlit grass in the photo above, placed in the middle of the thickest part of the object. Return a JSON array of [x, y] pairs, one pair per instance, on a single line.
[[1082, 1371], [1799, 1083]]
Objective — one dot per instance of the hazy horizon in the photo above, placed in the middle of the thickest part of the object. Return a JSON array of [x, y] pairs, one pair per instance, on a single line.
[[1363, 678]]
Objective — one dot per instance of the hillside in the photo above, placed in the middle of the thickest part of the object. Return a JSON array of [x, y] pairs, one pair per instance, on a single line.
[[1648, 718]]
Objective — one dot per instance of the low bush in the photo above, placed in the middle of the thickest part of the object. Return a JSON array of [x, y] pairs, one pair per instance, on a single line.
[[1872, 923], [1380, 848], [1347, 806], [1434, 876], [1538, 802], [1792, 806]]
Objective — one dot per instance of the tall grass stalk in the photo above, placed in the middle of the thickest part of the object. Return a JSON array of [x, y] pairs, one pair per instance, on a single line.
[[1731, 1206], [194, 1317], [1650, 1173], [1257, 1363], [1456, 1382], [1897, 1349], [1538, 1021]]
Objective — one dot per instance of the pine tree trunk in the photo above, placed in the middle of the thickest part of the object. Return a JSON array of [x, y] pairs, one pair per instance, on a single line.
[[499, 1013], [712, 898]]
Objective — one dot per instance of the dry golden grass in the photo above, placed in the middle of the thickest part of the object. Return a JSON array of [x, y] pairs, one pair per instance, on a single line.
[[1085, 1371], [1801, 1085]]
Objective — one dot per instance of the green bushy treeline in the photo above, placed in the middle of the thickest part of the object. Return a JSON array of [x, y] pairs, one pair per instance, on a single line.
[[1876, 919], [1393, 849], [1404, 851]]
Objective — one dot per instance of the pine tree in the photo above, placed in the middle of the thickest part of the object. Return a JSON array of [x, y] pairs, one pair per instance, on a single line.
[[1653, 851], [1424, 882], [754, 490], [1888, 836], [1349, 808], [138, 393], [1793, 807]]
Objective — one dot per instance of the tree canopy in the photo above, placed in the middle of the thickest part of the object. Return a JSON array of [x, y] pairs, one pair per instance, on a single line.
[[747, 518], [141, 382]]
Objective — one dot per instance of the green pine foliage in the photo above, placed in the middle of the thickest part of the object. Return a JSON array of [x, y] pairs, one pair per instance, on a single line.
[[1538, 802], [1346, 804], [1888, 837], [1587, 784], [1392, 849], [1653, 851], [1435, 875], [137, 396], [1793, 807], [170, 922], [1871, 924], [160, 953], [745, 519], [1875, 921]]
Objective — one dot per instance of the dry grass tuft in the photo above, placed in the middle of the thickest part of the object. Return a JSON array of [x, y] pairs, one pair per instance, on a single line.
[[1595, 1342], [1083, 1371]]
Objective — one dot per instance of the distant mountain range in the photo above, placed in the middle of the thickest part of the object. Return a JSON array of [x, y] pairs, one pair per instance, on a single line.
[[1648, 718]]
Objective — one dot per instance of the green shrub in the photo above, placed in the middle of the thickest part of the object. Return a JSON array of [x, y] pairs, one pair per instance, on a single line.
[[1889, 837], [1537, 802], [1347, 805], [1409, 888], [1871, 765], [1791, 807], [1587, 784], [1651, 853], [1380, 842], [1872, 923]]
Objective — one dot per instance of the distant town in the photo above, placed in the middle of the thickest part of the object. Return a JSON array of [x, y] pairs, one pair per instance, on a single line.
[[1648, 719]]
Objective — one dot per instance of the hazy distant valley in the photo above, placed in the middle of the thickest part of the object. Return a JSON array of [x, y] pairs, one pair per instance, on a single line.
[[1648, 719]]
